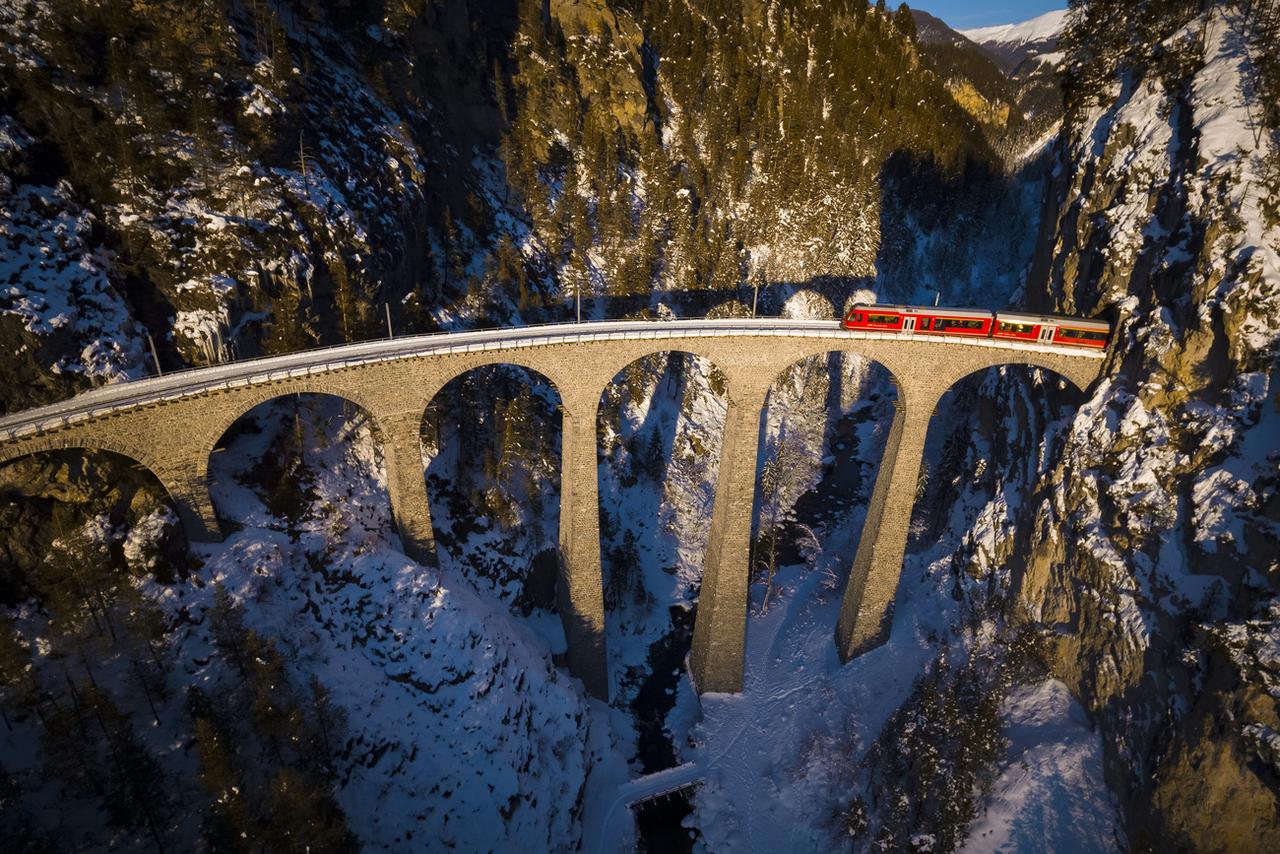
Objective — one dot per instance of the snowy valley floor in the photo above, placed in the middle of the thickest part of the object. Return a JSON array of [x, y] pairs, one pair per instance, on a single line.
[[782, 758], [454, 705], [462, 733]]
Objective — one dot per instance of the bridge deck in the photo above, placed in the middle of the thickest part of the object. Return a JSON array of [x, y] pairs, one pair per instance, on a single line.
[[121, 396]]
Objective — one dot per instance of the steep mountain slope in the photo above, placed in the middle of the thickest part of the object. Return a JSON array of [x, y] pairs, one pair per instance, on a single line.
[[970, 74], [302, 686], [1027, 53], [316, 162], [1125, 543], [1148, 553], [238, 178], [1014, 44], [697, 146]]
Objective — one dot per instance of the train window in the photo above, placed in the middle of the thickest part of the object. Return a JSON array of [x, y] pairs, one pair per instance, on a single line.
[[1018, 328], [882, 318], [953, 323], [924, 322], [857, 317], [1082, 334]]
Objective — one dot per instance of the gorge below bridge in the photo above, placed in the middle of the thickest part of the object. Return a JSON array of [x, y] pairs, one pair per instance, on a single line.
[[171, 425]]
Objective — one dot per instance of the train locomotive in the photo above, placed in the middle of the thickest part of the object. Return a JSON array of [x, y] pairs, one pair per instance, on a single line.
[[1009, 325]]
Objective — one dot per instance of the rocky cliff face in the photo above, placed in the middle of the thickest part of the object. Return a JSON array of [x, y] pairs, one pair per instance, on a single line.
[[1148, 553], [259, 177]]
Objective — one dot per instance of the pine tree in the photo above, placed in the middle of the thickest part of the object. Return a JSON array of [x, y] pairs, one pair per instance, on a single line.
[[18, 690], [227, 823], [226, 623], [904, 22], [655, 462]]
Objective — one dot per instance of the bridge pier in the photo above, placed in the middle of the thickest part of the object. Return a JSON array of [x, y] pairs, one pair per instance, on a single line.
[[187, 482], [866, 610], [580, 587], [406, 486], [719, 632]]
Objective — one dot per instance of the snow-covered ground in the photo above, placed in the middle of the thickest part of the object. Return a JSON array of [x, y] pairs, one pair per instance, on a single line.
[[460, 732], [781, 759], [54, 278], [460, 725], [1050, 795]]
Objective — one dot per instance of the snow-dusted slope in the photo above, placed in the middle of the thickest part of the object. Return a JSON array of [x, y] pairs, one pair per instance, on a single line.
[[1153, 542], [1050, 794], [449, 725], [63, 324], [1039, 28], [1012, 44]]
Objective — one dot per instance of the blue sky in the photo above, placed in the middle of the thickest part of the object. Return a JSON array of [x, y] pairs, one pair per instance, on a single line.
[[963, 14]]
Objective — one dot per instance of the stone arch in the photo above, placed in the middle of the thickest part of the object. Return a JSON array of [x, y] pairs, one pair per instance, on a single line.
[[644, 348], [899, 378], [867, 608], [189, 496], [76, 442], [578, 583], [220, 419], [616, 367], [226, 419], [457, 419], [631, 560], [250, 399], [498, 359], [851, 429], [1079, 373], [968, 414], [852, 348]]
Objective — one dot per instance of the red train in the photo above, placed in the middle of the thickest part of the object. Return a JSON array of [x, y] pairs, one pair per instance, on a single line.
[[935, 320]]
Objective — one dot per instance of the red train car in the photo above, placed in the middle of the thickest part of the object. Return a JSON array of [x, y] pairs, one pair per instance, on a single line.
[[918, 319], [1048, 329], [936, 320]]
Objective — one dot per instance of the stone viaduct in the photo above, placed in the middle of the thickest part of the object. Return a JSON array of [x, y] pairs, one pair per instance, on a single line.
[[171, 425]]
